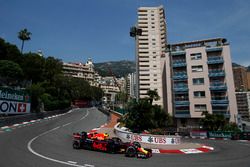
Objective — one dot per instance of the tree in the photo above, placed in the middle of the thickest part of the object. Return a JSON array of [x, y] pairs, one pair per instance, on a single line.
[[36, 91], [10, 72], [53, 67], [153, 95], [9, 52], [142, 115], [33, 67], [213, 122], [24, 35]]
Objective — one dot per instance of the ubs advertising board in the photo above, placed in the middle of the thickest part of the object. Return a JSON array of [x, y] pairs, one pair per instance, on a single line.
[[14, 102]]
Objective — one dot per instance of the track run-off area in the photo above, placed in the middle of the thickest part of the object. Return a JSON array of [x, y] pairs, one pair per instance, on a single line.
[[48, 143]]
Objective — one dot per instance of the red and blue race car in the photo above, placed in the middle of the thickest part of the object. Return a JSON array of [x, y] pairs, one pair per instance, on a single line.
[[100, 142]]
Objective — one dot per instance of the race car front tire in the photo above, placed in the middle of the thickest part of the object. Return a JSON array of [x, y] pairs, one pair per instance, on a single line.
[[76, 145], [130, 151]]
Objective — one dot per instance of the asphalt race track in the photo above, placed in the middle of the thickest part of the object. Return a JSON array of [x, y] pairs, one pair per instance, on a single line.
[[49, 144]]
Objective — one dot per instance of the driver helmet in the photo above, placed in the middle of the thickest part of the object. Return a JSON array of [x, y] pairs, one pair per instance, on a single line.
[[137, 145], [106, 135]]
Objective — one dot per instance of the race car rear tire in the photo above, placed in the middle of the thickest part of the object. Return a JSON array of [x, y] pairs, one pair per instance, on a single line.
[[130, 151], [76, 145]]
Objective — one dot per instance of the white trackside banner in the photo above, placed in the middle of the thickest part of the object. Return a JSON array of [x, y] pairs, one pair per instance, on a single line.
[[13, 107]]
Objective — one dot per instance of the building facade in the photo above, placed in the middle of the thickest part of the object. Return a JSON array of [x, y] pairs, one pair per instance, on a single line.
[[248, 80], [198, 77], [243, 104], [240, 78], [131, 85], [80, 70], [151, 45]]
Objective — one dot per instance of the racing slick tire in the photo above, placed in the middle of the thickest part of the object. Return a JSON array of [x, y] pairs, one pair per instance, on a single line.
[[76, 145], [131, 151]]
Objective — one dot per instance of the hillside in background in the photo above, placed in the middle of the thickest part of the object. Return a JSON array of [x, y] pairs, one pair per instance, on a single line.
[[124, 67], [119, 68]]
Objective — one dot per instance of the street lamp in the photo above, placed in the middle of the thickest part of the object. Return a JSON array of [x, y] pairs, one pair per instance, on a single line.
[[134, 32]]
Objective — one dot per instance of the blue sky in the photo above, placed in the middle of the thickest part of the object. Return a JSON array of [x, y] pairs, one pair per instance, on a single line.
[[74, 30]]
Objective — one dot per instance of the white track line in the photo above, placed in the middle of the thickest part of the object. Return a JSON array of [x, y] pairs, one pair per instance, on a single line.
[[48, 158], [67, 124], [85, 115]]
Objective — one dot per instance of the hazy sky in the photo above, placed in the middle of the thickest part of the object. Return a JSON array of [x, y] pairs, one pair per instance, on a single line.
[[74, 30]]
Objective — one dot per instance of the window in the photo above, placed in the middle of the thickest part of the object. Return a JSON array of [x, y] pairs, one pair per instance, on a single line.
[[144, 74], [198, 81], [144, 79], [196, 56], [199, 94], [198, 68], [200, 107], [144, 84], [144, 65]]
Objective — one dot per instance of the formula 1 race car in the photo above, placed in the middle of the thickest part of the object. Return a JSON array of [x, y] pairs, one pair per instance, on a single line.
[[112, 145]]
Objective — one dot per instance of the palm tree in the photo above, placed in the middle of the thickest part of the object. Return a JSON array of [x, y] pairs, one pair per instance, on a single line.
[[153, 95], [24, 35]]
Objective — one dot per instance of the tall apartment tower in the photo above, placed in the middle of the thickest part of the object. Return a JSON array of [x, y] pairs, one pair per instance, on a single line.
[[243, 104], [199, 77], [151, 45], [131, 85], [240, 78]]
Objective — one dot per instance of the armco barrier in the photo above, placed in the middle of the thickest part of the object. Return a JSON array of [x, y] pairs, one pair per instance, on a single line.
[[10, 120], [147, 138], [198, 134]]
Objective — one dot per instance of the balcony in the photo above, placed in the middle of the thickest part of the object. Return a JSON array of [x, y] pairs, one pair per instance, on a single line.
[[179, 63], [214, 49], [222, 112], [215, 60], [220, 101], [182, 114], [180, 76], [179, 52], [181, 103], [218, 86], [216, 73], [181, 88]]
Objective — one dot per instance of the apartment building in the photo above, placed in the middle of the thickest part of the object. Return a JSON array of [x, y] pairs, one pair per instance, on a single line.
[[111, 88], [151, 45], [198, 77], [243, 104], [131, 85], [80, 70], [240, 78], [248, 80]]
